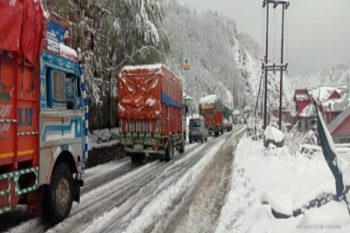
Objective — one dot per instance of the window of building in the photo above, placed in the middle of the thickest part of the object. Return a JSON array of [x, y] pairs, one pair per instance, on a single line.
[[344, 140]]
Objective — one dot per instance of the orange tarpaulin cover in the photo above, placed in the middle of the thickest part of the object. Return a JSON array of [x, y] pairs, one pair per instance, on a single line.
[[22, 27], [139, 94]]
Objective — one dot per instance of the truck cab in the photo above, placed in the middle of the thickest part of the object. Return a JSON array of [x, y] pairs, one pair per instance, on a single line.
[[43, 115]]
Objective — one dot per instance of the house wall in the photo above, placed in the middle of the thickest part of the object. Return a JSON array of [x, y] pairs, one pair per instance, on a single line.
[[306, 124], [342, 133], [330, 116], [300, 105], [334, 95]]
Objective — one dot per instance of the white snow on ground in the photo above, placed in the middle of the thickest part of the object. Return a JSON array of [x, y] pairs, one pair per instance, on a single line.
[[104, 168], [164, 200], [287, 182], [282, 203]]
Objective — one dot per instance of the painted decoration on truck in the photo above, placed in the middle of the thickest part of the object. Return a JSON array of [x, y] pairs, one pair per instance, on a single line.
[[5, 110]]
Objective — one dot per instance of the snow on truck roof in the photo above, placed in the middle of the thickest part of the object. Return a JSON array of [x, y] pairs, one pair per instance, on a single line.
[[152, 68], [144, 67], [210, 99]]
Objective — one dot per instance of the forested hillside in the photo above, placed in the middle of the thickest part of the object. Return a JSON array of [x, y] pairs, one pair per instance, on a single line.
[[337, 75], [110, 34]]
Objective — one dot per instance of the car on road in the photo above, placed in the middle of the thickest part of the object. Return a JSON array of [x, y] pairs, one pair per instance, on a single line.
[[197, 130]]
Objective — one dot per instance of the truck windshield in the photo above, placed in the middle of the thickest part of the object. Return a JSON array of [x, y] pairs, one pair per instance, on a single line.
[[195, 123], [65, 91]]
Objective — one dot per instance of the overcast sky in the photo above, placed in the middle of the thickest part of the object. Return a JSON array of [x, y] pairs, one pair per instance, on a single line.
[[318, 32]]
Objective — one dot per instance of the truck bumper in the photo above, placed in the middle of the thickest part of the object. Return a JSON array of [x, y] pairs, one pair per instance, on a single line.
[[145, 151], [196, 137]]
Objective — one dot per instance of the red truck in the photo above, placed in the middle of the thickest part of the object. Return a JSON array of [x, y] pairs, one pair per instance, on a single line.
[[151, 112], [211, 108], [43, 116]]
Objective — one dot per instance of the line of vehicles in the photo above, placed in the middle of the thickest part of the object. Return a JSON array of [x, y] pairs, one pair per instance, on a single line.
[[44, 113]]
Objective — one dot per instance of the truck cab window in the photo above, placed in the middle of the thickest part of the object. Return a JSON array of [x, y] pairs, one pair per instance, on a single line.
[[70, 81], [64, 91], [59, 90]]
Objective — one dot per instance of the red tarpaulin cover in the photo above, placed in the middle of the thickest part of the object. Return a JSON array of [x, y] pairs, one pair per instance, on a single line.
[[22, 27]]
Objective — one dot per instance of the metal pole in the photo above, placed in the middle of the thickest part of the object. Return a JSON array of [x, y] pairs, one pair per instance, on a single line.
[[266, 61], [281, 78]]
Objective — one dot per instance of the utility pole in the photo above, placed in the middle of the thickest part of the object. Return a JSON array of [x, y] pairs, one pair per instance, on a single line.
[[273, 67], [284, 6], [266, 3]]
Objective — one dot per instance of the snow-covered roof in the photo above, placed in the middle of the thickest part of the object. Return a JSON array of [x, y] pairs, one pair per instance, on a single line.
[[335, 105], [196, 116], [236, 112], [247, 108], [308, 111], [323, 93], [339, 120], [210, 99], [301, 96]]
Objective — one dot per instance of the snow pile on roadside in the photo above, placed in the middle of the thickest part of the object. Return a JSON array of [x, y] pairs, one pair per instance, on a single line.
[[281, 203], [103, 138], [273, 135], [287, 183]]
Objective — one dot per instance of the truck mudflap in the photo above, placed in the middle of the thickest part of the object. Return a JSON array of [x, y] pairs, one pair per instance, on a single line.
[[77, 184], [9, 196]]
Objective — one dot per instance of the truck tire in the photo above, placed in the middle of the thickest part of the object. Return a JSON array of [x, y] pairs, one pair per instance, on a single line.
[[137, 158], [182, 147], [216, 133], [58, 197], [169, 152]]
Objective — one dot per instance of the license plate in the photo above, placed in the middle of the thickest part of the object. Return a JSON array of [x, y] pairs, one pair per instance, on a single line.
[[138, 147]]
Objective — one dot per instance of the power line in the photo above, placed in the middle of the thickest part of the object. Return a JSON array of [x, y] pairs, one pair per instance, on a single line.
[[273, 67]]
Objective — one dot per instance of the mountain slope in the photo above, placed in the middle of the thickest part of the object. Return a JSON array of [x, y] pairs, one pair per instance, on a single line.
[[223, 61], [338, 75]]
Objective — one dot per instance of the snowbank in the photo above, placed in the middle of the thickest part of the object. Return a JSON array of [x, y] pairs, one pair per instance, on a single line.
[[281, 203], [274, 136], [103, 138], [286, 183]]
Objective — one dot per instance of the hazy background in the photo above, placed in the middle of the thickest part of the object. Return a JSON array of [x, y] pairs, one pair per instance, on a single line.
[[318, 31]]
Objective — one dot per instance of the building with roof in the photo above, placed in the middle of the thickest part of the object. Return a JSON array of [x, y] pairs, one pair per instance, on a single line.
[[332, 101]]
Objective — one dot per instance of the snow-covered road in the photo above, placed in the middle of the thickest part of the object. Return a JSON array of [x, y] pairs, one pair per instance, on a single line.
[[184, 195]]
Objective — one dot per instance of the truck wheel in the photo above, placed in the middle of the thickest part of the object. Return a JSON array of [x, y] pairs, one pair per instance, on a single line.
[[216, 133], [182, 147], [169, 153], [59, 195], [137, 158]]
